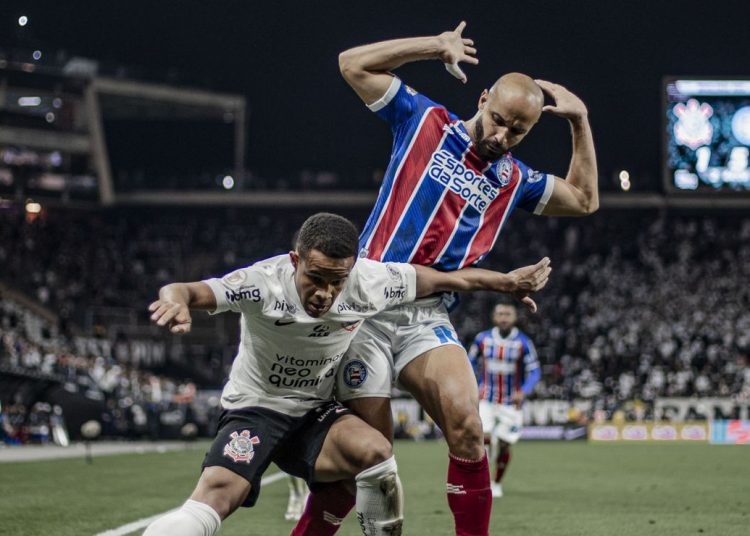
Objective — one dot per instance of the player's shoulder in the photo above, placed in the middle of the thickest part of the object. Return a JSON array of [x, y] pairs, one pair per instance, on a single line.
[[522, 335], [365, 267], [405, 92], [486, 334], [527, 173]]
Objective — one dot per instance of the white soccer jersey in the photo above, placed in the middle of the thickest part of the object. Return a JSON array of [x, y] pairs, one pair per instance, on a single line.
[[286, 359]]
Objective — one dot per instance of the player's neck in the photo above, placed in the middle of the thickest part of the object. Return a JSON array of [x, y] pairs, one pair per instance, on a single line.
[[471, 127]]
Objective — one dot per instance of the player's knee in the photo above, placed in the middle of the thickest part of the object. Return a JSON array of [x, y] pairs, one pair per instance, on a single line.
[[465, 436], [377, 449]]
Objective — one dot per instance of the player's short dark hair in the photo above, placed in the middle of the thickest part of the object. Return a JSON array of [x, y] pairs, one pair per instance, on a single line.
[[505, 301], [332, 235]]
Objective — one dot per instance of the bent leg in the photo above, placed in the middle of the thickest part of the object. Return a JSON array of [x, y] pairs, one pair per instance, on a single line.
[[443, 382], [352, 449], [219, 493]]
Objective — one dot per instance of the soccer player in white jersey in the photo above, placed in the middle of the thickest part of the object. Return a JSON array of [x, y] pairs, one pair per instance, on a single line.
[[299, 314], [449, 188], [298, 493], [507, 368]]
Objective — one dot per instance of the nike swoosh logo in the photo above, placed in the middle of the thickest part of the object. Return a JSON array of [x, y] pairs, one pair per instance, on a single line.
[[280, 323]]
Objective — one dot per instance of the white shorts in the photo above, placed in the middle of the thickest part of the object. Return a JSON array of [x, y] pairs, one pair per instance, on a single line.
[[501, 420], [389, 341]]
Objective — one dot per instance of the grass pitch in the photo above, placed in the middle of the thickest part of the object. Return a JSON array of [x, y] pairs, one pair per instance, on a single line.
[[556, 489]]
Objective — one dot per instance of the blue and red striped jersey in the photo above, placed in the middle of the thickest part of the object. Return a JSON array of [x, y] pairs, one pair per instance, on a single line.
[[441, 204], [504, 365]]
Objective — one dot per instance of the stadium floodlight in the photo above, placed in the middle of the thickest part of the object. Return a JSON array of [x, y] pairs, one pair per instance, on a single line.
[[29, 101], [33, 207], [228, 182], [23, 20], [37, 55]]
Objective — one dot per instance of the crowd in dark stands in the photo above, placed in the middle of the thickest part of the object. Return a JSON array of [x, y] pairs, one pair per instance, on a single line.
[[641, 304], [132, 399]]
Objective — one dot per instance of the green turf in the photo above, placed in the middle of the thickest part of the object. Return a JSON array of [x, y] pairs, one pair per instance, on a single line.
[[551, 489]]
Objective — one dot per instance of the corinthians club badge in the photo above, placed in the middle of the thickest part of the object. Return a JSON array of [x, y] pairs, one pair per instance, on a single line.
[[240, 447]]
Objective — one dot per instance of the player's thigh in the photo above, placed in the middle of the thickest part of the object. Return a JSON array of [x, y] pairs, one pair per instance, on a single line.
[[376, 412], [487, 415], [350, 447], [510, 423], [366, 370], [443, 382], [244, 446], [365, 375]]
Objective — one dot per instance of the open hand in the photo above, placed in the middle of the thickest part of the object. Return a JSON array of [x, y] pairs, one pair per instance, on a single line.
[[567, 104], [530, 279], [172, 314], [454, 48]]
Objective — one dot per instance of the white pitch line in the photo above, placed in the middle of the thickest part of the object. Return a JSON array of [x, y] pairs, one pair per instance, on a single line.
[[146, 521]]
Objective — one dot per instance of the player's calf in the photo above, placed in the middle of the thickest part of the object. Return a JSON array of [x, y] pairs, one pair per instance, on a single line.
[[380, 507], [354, 450]]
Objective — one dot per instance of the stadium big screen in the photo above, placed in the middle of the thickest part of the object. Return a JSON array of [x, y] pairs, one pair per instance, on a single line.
[[707, 135]]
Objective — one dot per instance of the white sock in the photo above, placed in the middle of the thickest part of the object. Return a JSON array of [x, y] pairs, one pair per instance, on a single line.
[[380, 501], [193, 519]]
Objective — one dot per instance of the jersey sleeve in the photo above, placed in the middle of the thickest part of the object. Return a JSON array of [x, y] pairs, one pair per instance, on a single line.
[[240, 291], [400, 103], [533, 372], [387, 283], [474, 352], [536, 188]]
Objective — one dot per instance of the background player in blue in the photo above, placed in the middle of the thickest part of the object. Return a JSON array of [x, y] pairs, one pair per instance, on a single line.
[[448, 190], [507, 368]]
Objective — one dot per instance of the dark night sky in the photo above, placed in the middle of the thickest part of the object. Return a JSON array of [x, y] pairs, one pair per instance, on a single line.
[[283, 56]]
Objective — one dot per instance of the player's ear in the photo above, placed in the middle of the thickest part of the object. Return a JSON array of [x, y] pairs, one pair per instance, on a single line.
[[295, 258], [482, 99]]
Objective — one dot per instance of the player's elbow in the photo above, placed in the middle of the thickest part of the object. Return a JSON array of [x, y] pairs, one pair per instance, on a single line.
[[591, 206], [350, 68], [587, 203], [346, 63]]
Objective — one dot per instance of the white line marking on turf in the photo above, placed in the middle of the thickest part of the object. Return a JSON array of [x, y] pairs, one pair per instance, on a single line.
[[146, 521]]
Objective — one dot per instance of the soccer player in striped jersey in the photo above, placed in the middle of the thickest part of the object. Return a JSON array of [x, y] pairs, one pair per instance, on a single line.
[[448, 191], [507, 369]]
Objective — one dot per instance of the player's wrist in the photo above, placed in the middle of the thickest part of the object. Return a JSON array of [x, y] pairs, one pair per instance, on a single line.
[[579, 119], [513, 282], [441, 46]]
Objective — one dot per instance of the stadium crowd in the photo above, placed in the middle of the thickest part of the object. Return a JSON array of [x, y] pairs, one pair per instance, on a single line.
[[641, 304], [132, 400]]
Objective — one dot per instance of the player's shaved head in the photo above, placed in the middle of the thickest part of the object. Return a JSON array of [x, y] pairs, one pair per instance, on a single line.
[[507, 112], [519, 91]]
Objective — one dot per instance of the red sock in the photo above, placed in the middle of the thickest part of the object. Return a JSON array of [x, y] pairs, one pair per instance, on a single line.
[[324, 511], [469, 495], [503, 459]]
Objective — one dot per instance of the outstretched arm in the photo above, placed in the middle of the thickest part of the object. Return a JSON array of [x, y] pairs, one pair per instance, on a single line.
[[578, 194], [174, 304], [519, 282], [367, 68]]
